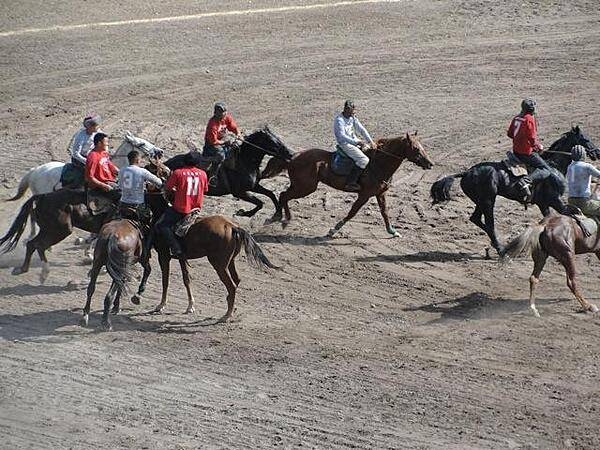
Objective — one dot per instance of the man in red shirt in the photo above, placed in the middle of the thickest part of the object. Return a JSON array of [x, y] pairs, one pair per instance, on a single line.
[[188, 186], [100, 172], [214, 138], [523, 132]]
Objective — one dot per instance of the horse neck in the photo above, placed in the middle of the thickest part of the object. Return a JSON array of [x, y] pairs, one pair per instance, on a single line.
[[387, 163], [251, 156]]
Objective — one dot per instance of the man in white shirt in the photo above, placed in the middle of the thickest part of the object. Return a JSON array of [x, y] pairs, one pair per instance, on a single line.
[[347, 128], [579, 177], [82, 142]]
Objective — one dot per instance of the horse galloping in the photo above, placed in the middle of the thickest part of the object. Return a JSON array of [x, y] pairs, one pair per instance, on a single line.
[[562, 238], [309, 167]]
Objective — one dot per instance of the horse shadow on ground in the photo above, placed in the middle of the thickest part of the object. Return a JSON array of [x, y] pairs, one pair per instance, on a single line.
[[27, 290], [434, 256], [478, 306], [267, 238]]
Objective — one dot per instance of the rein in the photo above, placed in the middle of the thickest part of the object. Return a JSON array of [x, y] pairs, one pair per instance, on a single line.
[[377, 149]]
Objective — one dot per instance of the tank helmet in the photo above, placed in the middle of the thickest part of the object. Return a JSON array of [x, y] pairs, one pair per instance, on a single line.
[[528, 105], [578, 153]]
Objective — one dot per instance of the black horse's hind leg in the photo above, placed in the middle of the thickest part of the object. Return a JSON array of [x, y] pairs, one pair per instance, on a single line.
[[251, 199], [490, 229], [264, 191], [145, 262], [476, 218], [108, 300], [116, 309]]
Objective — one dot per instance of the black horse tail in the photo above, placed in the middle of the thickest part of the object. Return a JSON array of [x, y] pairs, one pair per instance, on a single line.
[[118, 263], [255, 255], [528, 240], [9, 241], [274, 167], [23, 186], [440, 190]]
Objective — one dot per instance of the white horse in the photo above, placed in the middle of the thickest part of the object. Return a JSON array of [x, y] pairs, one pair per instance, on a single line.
[[46, 177]]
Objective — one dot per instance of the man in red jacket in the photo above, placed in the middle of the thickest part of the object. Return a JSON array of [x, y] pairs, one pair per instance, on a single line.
[[100, 172], [215, 144], [188, 186]]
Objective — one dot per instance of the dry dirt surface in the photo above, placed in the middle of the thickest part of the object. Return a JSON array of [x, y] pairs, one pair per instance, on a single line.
[[359, 341]]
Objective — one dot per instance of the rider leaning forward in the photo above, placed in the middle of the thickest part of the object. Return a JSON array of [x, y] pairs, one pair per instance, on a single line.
[[347, 128], [100, 172], [217, 128]]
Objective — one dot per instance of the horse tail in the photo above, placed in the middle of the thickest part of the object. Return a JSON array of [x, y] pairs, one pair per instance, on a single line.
[[118, 263], [440, 190], [23, 186], [256, 256], [9, 241], [274, 167], [527, 241]]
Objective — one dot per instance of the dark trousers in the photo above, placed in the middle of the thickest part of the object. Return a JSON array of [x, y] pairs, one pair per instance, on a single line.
[[164, 227], [534, 161], [214, 151]]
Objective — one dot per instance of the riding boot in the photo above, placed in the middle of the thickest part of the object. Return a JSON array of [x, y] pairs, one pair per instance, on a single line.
[[525, 189], [174, 243], [352, 180], [214, 176]]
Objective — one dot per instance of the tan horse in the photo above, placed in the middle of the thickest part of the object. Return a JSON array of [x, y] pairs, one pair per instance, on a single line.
[[558, 236], [309, 167]]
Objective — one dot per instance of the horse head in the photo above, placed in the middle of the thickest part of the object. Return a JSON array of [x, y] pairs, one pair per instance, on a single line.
[[408, 147], [267, 141], [147, 148], [575, 136]]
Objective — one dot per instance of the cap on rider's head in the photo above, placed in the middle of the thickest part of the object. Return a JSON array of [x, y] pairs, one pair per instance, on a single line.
[[578, 153], [348, 104], [220, 106], [98, 137], [91, 120], [528, 105]]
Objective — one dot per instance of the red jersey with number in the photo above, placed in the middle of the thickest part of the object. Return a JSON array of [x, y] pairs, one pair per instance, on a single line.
[[99, 167], [523, 132], [189, 185], [216, 129]]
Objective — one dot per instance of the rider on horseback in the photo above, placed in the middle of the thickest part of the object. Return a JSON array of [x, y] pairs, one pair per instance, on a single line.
[[523, 132], [187, 185], [81, 144], [132, 181], [215, 144], [100, 172], [579, 175], [346, 126]]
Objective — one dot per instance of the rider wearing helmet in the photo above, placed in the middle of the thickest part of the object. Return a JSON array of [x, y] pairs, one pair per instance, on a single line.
[[215, 144], [579, 175]]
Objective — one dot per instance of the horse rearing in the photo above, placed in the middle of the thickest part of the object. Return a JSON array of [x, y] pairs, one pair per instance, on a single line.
[[309, 167]]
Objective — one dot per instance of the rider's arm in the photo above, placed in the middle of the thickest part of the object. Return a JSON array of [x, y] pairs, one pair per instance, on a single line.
[[75, 148], [231, 125], [363, 131], [212, 134], [151, 178], [114, 169], [593, 171], [340, 133], [511, 129], [531, 130]]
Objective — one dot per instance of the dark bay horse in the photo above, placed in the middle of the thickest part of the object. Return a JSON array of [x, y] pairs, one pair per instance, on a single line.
[[215, 237], [118, 247], [242, 179], [483, 182], [309, 167], [558, 236], [56, 214]]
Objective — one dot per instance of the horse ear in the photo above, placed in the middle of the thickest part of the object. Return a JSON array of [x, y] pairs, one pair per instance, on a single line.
[[577, 129], [416, 132], [408, 135]]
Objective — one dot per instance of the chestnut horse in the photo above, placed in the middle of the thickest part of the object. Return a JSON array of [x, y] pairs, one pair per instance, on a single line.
[[217, 238], [558, 236], [309, 167], [119, 247]]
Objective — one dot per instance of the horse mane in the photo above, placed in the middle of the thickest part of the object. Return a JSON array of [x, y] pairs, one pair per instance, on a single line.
[[387, 142]]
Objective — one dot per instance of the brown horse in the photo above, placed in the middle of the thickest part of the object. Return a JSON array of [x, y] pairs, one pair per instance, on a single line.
[[307, 168], [119, 247], [558, 236], [217, 238]]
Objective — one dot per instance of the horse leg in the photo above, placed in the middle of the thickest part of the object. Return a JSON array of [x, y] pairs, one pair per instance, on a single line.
[[145, 262], [221, 269], [568, 261], [116, 309], [251, 199], [490, 229], [381, 201], [233, 272], [264, 191], [45, 265], [539, 261], [185, 273], [32, 227], [164, 260], [360, 201], [476, 217], [94, 272], [294, 191], [108, 300]]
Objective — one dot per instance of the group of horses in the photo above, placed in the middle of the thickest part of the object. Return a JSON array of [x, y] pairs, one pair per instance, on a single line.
[[120, 244]]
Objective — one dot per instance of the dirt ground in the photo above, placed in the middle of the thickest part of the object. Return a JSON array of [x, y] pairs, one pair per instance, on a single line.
[[360, 341]]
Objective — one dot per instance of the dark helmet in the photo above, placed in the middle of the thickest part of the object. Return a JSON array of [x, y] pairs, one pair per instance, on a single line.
[[349, 104], [528, 105], [191, 159], [220, 106], [578, 153]]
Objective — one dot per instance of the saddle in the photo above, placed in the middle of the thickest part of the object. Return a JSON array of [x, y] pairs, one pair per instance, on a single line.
[[514, 166], [98, 203], [72, 175], [341, 164], [588, 225], [183, 226]]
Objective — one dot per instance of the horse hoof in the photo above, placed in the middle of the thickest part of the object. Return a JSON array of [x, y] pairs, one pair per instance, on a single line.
[[593, 308], [115, 311], [535, 312], [17, 271], [79, 241], [241, 213], [84, 321], [135, 299], [223, 319], [190, 310], [332, 232], [158, 310], [89, 259], [106, 326]]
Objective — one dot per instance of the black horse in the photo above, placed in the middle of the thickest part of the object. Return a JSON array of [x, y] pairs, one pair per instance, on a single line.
[[483, 182], [243, 177]]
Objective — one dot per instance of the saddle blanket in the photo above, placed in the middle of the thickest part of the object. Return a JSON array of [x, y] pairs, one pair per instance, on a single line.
[[341, 164], [185, 224]]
